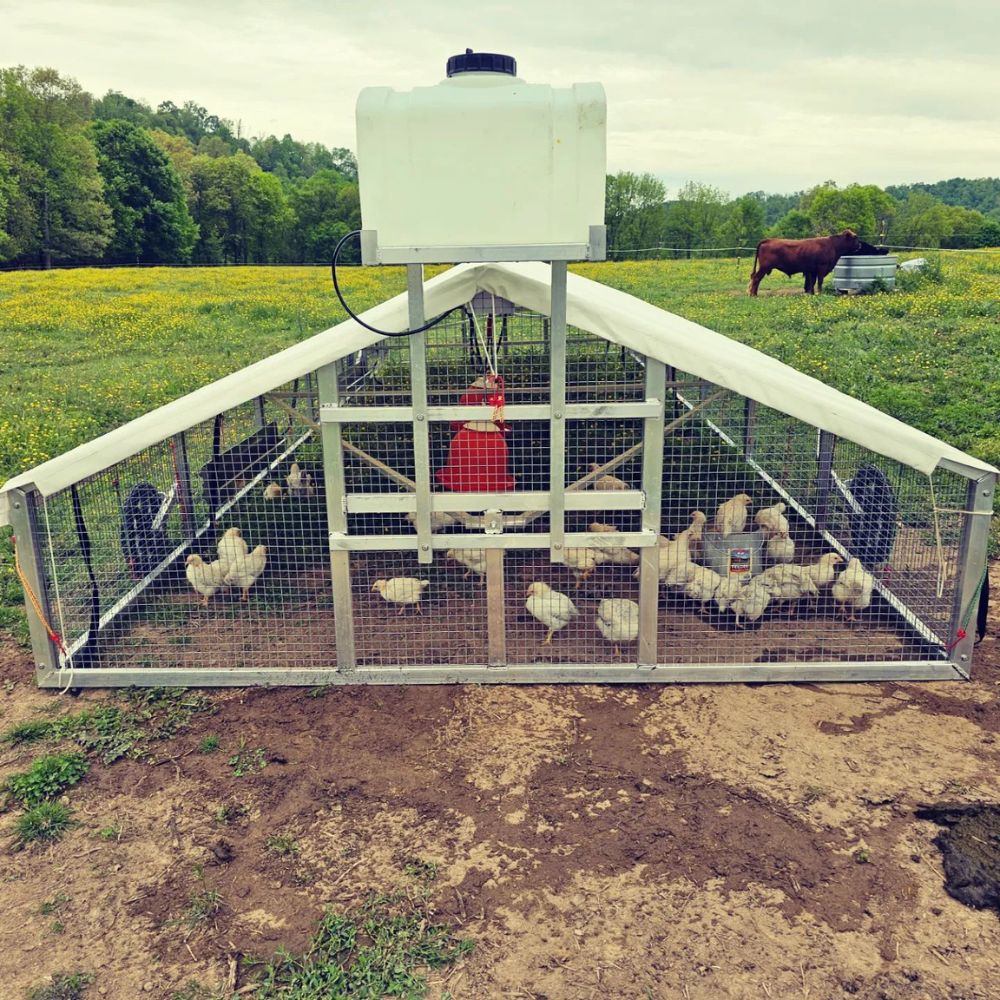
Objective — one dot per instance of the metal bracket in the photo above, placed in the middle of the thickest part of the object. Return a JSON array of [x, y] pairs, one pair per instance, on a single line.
[[493, 522]]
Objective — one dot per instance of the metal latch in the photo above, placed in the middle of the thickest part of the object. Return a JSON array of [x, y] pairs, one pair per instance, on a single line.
[[493, 522]]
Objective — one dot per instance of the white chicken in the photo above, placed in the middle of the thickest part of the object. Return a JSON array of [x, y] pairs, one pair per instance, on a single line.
[[440, 519], [231, 547], [607, 482], [853, 589], [788, 584], [772, 520], [244, 571], [675, 555], [402, 590], [474, 560], [701, 584], [752, 602], [618, 621], [731, 517], [272, 491], [729, 590], [583, 562], [616, 554], [780, 549], [206, 578], [552, 609], [825, 569]]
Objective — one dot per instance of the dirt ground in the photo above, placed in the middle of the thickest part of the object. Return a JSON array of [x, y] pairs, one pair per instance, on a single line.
[[690, 842]]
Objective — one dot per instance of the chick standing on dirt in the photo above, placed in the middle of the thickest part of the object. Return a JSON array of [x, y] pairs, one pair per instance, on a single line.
[[583, 561], [614, 554], [618, 621], [551, 608], [730, 588], [474, 560], [206, 578], [674, 556], [402, 590], [788, 584], [853, 589], [824, 569], [231, 547], [243, 572], [731, 517], [702, 584]]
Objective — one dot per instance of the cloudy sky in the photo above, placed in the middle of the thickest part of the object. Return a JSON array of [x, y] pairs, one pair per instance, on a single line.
[[740, 94]]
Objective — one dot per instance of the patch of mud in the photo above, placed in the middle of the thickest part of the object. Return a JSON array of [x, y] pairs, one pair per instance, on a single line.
[[970, 845]]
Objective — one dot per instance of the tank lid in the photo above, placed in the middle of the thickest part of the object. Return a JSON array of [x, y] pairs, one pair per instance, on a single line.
[[482, 62]]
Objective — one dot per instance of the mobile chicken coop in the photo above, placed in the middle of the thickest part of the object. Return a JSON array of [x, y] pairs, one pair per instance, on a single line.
[[549, 481], [618, 415]]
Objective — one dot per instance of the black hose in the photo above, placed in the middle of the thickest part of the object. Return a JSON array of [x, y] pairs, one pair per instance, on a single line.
[[357, 319]]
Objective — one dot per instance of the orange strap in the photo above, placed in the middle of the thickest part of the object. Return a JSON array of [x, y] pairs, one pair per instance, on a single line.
[[35, 603]]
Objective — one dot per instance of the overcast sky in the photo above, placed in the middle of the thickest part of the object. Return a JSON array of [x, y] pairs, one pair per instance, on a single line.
[[740, 94]]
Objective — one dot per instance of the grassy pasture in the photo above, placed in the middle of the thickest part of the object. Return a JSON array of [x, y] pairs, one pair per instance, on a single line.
[[86, 350]]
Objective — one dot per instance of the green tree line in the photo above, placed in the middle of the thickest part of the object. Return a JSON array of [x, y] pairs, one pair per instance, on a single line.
[[641, 218], [115, 181]]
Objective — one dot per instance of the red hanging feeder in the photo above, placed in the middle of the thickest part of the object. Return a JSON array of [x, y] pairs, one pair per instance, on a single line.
[[478, 459]]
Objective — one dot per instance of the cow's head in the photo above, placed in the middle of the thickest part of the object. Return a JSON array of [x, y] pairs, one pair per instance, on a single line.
[[867, 250], [848, 243]]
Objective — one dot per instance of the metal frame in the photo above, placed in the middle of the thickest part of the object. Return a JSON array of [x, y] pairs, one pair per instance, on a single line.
[[560, 498]]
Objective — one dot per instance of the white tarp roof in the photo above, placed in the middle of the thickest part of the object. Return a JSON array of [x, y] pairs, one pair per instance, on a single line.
[[606, 312]]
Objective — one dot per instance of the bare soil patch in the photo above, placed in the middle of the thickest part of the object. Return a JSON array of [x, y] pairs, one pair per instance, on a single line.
[[699, 841]]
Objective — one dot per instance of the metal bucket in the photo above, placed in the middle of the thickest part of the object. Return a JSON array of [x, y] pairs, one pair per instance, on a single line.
[[859, 274], [737, 555]]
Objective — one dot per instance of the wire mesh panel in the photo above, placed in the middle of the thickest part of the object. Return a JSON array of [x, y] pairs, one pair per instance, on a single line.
[[311, 529]]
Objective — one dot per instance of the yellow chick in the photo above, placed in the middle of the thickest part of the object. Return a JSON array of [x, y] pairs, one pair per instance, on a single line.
[[772, 520], [440, 519], [788, 584], [731, 517], [853, 589], [614, 554], [583, 562], [243, 572], [607, 482], [552, 609], [402, 590], [780, 549], [729, 590], [206, 578], [702, 584], [272, 491], [474, 560], [752, 602], [618, 621], [231, 547], [825, 569]]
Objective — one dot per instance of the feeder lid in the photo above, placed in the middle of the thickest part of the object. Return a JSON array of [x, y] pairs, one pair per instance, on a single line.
[[482, 62]]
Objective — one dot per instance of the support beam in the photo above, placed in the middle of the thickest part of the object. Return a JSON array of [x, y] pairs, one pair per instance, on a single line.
[[421, 430], [495, 611], [557, 426], [652, 488], [336, 486]]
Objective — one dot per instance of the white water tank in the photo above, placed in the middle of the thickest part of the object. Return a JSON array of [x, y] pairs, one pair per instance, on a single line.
[[482, 166]]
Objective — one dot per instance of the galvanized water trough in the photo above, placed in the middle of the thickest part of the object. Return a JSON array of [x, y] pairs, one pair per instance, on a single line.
[[860, 274]]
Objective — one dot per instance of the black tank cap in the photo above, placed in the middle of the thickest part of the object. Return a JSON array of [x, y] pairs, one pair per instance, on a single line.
[[482, 62]]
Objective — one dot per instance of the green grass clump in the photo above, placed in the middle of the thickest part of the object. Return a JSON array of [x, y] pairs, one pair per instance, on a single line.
[[62, 986], [42, 824], [47, 777], [379, 950]]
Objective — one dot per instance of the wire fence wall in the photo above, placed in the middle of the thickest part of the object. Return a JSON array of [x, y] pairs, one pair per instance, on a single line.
[[773, 543]]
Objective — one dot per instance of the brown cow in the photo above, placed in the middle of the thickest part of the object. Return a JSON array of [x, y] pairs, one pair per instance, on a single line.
[[814, 258]]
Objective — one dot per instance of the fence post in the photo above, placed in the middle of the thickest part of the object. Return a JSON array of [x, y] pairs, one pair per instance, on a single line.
[[27, 539]]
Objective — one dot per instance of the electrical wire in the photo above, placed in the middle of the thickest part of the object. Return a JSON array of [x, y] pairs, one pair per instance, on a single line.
[[357, 319]]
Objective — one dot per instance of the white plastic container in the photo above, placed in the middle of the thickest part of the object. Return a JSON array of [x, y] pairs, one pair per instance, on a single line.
[[482, 166]]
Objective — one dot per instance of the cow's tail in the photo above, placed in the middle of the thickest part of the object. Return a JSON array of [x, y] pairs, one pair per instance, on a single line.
[[753, 273]]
